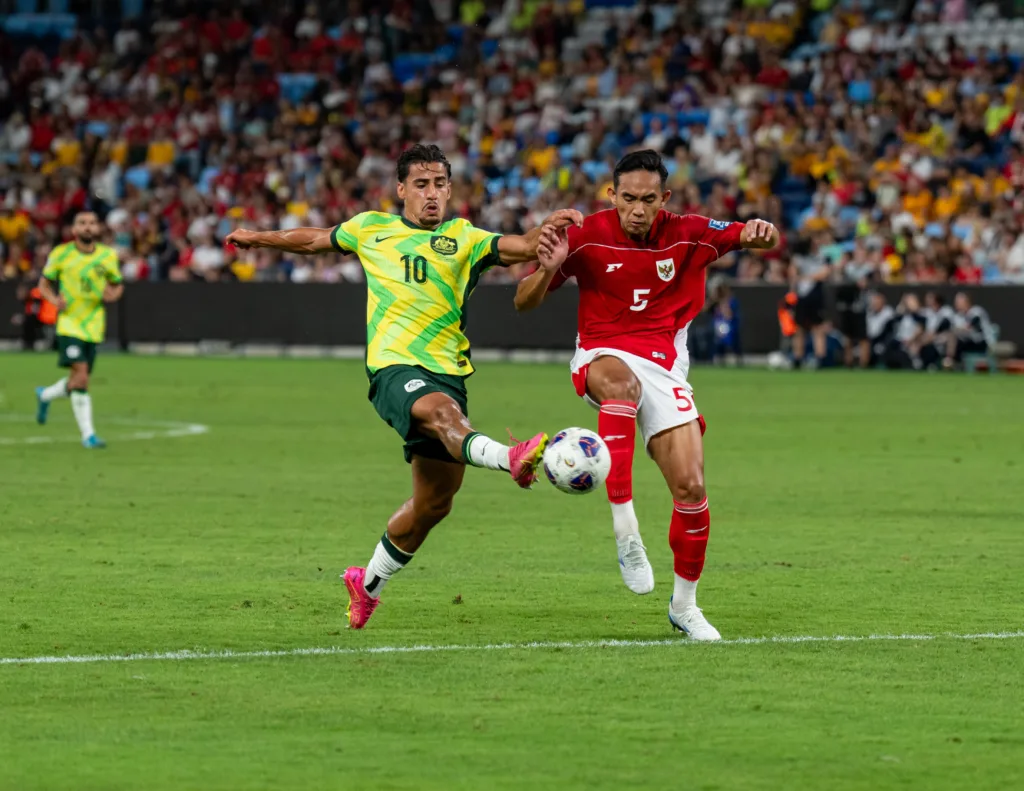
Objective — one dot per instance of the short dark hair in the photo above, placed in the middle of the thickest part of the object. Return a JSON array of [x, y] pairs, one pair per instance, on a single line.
[[421, 153], [648, 159]]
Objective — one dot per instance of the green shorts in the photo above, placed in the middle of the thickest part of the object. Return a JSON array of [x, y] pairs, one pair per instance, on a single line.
[[75, 350], [393, 391]]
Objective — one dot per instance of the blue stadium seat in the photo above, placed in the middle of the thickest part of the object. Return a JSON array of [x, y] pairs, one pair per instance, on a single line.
[[138, 177], [406, 67], [699, 115], [445, 53], [594, 169], [98, 128], [41, 25], [296, 87]]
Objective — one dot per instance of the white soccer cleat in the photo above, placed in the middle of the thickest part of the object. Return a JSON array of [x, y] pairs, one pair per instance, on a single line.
[[693, 624], [636, 569]]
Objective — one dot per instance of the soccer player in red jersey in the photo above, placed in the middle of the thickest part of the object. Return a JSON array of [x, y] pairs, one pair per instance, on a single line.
[[641, 276]]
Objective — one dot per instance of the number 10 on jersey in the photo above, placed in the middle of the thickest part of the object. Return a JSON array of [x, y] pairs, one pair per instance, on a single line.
[[415, 268]]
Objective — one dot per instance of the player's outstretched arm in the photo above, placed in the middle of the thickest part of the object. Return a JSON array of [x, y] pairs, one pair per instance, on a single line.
[[759, 235], [302, 241], [520, 249], [552, 249]]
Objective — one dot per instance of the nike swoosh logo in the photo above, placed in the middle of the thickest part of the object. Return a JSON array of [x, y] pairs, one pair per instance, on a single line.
[[701, 530], [380, 239], [615, 436]]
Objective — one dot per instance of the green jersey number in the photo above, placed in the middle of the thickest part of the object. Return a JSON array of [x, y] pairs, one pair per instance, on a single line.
[[415, 268]]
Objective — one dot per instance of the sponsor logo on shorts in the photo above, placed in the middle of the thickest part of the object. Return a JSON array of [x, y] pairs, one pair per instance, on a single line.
[[718, 225], [659, 355], [414, 384], [444, 245]]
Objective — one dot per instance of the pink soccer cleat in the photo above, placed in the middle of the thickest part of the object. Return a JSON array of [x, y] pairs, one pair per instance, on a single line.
[[360, 603], [524, 457]]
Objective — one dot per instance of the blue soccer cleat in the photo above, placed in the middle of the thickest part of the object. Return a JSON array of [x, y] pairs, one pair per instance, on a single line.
[[93, 443], [42, 407]]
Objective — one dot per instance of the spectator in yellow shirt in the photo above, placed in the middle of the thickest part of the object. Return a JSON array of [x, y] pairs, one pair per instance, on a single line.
[[67, 151], [946, 205], [161, 151], [918, 202], [13, 224], [993, 185]]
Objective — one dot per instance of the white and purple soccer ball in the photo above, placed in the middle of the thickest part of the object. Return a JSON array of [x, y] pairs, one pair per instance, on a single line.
[[577, 461]]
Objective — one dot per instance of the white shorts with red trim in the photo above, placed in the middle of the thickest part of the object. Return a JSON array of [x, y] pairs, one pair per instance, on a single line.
[[666, 398]]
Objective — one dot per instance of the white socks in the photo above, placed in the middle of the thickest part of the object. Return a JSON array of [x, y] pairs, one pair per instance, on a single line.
[[624, 520], [387, 561], [481, 451], [54, 391], [81, 405], [684, 594]]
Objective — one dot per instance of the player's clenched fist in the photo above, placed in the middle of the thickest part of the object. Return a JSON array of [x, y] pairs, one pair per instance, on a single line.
[[758, 233], [552, 248], [563, 218], [242, 238]]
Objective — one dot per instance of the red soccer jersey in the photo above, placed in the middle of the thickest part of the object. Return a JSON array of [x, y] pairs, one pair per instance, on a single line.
[[637, 296]]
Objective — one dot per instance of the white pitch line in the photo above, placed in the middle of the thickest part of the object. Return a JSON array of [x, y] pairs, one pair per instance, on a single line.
[[163, 428], [188, 655]]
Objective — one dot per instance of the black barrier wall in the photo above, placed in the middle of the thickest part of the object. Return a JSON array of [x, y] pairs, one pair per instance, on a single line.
[[335, 315]]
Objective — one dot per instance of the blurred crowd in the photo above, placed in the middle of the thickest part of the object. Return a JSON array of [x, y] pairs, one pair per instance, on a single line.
[[884, 138]]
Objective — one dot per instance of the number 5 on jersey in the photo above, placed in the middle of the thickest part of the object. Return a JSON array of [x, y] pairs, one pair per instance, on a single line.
[[639, 303]]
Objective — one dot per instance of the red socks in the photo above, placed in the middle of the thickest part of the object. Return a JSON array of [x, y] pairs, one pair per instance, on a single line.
[[616, 423], [688, 537]]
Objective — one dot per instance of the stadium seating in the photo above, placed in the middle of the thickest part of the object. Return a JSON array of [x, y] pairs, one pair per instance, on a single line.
[[288, 122]]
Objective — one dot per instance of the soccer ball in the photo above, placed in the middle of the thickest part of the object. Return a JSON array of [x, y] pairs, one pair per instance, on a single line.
[[577, 461]]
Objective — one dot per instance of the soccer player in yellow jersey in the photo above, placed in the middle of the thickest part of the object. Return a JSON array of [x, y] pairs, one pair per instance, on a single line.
[[78, 278], [420, 270]]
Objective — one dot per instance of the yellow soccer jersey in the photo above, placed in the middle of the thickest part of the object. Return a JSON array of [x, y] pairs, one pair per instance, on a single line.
[[418, 281], [82, 278]]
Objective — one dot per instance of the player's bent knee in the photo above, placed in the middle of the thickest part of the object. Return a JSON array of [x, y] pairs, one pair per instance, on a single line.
[[437, 413], [689, 488]]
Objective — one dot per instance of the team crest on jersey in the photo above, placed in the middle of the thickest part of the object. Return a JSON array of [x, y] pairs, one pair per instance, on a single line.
[[666, 269], [718, 225], [444, 245]]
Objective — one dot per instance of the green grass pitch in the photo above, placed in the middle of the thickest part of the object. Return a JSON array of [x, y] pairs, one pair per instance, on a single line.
[[842, 504]]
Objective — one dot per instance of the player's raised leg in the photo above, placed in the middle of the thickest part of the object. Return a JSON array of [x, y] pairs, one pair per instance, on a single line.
[[434, 485], [679, 453], [616, 389], [46, 395], [439, 416]]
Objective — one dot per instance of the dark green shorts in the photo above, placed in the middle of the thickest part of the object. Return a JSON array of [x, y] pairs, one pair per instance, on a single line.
[[393, 391], [75, 350]]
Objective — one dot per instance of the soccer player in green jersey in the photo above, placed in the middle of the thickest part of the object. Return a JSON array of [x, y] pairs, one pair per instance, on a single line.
[[420, 270], [78, 278]]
